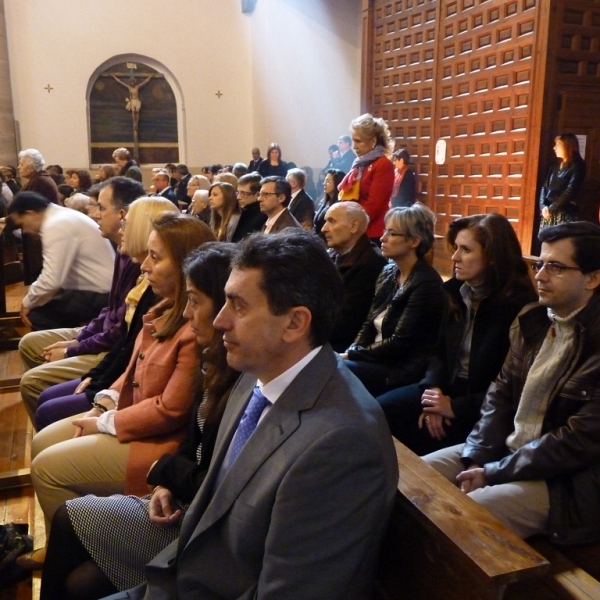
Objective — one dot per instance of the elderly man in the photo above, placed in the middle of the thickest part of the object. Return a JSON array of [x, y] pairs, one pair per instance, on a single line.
[[77, 264], [127, 167], [359, 262], [304, 473], [274, 195], [256, 160], [533, 459], [57, 355], [301, 204], [161, 182]]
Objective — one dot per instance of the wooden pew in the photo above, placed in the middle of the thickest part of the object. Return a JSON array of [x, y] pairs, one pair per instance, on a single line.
[[441, 544]]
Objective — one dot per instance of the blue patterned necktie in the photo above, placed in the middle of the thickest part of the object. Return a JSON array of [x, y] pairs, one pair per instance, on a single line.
[[248, 422]]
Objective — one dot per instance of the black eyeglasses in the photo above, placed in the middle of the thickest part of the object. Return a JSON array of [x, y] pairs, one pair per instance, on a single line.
[[552, 268], [393, 233]]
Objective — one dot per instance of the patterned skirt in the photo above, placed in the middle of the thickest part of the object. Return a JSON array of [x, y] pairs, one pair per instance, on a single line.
[[119, 536], [557, 218]]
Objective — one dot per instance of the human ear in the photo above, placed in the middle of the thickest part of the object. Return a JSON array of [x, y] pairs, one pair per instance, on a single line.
[[298, 325]]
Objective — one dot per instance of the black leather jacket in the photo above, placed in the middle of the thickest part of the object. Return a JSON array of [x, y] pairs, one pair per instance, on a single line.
[[410, 327], [562, 186], [567, 455]]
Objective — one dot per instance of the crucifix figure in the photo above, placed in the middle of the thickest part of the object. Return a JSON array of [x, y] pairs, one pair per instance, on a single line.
[[133, 102]]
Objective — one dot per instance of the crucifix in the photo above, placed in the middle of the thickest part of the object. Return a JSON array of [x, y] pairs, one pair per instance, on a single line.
[[132, 102], [219, 94], [48, 88]]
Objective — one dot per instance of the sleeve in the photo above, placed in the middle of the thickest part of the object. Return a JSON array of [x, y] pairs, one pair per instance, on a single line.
[[58, 255], [338, 484], [112, 328], [168, 410]]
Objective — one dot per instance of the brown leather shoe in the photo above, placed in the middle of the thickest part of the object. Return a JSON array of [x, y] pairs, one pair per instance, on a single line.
[[32, 561]]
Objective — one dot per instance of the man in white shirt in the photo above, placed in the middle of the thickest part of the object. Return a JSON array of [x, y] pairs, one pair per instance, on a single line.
[[77, 264], [304, 473]]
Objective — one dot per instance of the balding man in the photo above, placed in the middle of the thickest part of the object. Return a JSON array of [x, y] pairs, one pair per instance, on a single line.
[[161, 181], [359, 262], [256, 160]]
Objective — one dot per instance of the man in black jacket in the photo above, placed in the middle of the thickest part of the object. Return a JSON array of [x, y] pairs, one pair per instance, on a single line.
[[251, 217], [533, 459], [359, 262]]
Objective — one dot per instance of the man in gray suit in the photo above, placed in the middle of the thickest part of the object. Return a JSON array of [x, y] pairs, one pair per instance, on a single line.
[[275, 194], [293, 507]]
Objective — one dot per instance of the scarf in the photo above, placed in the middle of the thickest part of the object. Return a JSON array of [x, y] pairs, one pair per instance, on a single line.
[[350, 186]]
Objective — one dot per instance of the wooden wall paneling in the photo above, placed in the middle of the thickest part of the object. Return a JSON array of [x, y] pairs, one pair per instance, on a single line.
[[485, 53], [403, 77], [367, 56]]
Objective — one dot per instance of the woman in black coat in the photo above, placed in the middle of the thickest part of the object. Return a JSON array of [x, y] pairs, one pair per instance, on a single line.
[[558, 201], [333, 178], [402, 327], [490, 286], [274, 164]]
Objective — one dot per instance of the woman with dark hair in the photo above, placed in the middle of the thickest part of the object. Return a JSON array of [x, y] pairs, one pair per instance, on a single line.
[[333, 178], [371, 178], [111, 539], [143, 414], [105, 172], [273, 164], [558, 199], [403, 323], [405, 184], [80, 181], [225, 210], [490, 286]]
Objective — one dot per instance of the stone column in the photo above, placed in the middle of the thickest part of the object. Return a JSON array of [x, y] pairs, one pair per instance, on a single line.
[[8, 139]]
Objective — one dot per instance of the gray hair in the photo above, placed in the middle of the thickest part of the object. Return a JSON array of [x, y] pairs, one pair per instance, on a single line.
[[201, 195], [35, 158], [299, 175], [78, 202], [201, 181], [372, 127], [414, 221]]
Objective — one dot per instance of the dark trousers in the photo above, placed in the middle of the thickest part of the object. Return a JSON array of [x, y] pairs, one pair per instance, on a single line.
[[69, 308], [374, 376]]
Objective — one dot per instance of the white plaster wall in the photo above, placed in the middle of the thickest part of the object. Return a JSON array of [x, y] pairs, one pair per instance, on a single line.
[[289, 72], [306, 85]]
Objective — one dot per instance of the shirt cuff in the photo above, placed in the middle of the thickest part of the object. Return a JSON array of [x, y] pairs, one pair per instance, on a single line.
[[106, 422], [112, 394]]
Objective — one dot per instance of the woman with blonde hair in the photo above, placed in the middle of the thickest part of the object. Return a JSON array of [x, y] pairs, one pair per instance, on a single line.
[[371, 179], [225, 210]]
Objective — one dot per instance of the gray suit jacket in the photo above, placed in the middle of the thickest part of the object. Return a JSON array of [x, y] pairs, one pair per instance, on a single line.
[[284, 220], [301, 513]]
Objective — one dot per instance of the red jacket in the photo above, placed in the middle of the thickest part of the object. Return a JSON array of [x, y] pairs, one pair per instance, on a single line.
[[375, 192]]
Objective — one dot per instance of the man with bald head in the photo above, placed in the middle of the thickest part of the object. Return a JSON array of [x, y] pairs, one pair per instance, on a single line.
[[359, 262]]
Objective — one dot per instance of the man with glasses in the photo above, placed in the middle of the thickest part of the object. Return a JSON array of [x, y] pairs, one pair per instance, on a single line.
[[275, 194], [161, 182], [251, 217], [62, 354], [533, 459]]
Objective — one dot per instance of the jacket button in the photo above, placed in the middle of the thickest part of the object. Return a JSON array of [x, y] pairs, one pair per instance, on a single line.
[[584, 393], [141, 356], [135, 384]]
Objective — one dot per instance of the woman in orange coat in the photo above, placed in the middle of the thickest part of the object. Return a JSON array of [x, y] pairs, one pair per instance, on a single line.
[[145, 412], [371, 180]]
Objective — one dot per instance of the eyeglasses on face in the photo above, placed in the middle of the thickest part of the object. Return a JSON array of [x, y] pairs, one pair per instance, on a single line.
[[392, 233], [263, 194], [552, 268], [241, 194]]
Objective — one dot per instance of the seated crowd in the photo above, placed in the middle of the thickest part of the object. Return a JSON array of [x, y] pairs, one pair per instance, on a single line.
[[247, 361]]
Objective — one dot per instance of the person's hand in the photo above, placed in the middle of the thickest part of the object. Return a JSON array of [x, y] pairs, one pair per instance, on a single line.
[[472, 479], [434, 423], [163, 509], [87, 424], [344, 356], [57, 350], [85, 383], [546, 212], [433, 401], [23, 314]]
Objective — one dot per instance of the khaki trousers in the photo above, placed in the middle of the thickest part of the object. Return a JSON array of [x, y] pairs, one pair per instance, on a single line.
[[521, 505], [42, 375], [64, 467]]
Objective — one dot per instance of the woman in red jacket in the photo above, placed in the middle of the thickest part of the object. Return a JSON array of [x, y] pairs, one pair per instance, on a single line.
[[371, 179]]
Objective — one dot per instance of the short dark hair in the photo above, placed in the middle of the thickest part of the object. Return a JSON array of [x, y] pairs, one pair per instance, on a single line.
[[251, 179], [345, 138], [182, 169], [65, 189], [585, 238], [296, 271], [334, 148], [24, 201], [281, 187], [124, 190], [401, 154]]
